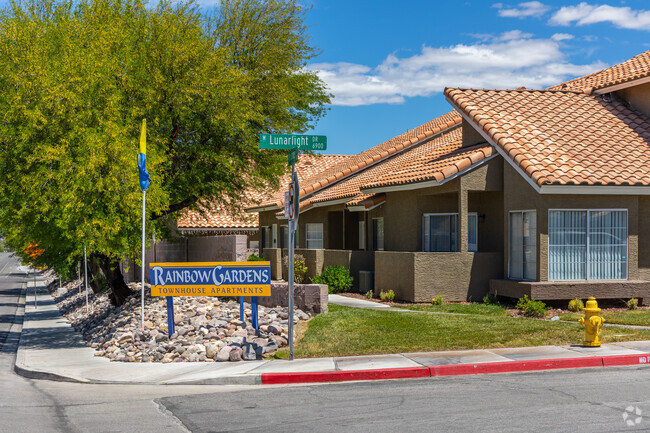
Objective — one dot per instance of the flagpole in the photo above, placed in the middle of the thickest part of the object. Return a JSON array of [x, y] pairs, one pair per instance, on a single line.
[[144, 195]]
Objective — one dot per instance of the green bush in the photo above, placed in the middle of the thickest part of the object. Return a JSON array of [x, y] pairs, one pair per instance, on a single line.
[[255, 258], [531, 308], [299, 268], [337, 278], [632, 304], [576, 305], [490, 299], [437, 300], [388, 296], [370, 294]]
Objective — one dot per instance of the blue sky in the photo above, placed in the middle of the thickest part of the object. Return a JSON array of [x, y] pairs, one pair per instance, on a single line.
[[387, 62]]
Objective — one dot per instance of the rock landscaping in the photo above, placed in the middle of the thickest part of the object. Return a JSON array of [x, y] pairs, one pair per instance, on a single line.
[[207, 329]]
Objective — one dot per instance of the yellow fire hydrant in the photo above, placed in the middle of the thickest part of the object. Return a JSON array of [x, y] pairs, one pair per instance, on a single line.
[[592, 323]]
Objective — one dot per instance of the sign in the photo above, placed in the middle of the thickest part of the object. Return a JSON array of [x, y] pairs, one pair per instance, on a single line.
[[293, 156], [285, 141], [211, 279]]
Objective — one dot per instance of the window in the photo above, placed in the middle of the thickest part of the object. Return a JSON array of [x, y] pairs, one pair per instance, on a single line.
[[284, 237], [440, 232], [522, 263], [266, 237], [314, 235], [362, 235], [587, 245], [378, 234], [472, 232]]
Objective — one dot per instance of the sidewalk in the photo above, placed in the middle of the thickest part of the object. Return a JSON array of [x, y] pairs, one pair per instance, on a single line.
[[51, 349]]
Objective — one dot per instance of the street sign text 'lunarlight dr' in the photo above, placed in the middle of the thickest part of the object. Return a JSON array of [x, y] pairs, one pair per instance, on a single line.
[[284, 141]]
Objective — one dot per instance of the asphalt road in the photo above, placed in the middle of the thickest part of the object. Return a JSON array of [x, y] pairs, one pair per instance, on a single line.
[[559, 401]]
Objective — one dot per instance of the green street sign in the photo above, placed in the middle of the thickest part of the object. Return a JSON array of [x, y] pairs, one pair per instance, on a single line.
[[293, 156], [285, 141]]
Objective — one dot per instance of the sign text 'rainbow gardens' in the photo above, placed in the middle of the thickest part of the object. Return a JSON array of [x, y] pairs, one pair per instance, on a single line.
[[211, 279]]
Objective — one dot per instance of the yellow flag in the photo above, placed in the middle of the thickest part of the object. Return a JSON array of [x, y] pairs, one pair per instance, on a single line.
[[143, 137]]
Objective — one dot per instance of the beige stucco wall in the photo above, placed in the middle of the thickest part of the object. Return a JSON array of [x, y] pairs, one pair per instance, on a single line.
[[638, 97], [519, 195], [419, 276]]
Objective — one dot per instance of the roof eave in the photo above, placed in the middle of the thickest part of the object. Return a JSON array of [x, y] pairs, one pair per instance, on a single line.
[[622, 86]]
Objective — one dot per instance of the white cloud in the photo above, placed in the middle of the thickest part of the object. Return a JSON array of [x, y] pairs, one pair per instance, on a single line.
[[505, 36], [584, 14], [526, 9], [511, 63], [561, 37]]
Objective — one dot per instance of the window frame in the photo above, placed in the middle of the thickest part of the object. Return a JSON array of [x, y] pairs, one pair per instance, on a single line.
[[475, 215], [362, 235], [587, 262], [523, 263], [383, 235], [425, 226], [308, 240]]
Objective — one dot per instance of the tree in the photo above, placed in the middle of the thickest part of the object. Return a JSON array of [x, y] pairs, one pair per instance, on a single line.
[[76, 80]]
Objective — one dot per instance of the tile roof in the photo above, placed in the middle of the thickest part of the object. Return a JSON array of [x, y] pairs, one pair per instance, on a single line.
[[369, 157], [437, 159], [562, 137], [633, 69], [216, 216]]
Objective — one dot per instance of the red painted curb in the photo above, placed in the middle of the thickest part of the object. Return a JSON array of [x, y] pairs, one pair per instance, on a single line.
[[614, 360], [514, 366], [343, 376], [455, 370]]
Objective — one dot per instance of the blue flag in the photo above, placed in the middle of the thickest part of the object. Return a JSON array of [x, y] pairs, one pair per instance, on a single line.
[[145, 180]]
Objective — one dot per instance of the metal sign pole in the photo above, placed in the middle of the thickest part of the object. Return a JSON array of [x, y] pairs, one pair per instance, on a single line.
[[144, 195], [86, 277], [293, 222]]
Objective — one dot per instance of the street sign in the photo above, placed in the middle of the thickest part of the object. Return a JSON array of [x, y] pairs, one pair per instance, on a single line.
[[293, 156], [286, 141]]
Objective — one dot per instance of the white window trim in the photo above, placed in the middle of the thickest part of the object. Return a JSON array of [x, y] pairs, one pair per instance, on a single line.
[[536, 246], [627, 252]]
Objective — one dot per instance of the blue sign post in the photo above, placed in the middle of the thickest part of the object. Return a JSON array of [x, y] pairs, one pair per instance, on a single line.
[[211, 279]]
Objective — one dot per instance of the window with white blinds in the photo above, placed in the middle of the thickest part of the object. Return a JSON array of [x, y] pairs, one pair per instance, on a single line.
[[587, 245], [522, 259]]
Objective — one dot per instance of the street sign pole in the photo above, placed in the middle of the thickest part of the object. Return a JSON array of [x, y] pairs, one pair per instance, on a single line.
[[292, 236]]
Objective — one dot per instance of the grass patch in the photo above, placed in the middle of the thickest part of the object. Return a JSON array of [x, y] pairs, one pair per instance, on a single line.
[[473, 308], [627, 317], [348, 331]]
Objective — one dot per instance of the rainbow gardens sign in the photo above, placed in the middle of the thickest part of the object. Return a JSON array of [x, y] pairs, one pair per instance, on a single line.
[[211, 279]]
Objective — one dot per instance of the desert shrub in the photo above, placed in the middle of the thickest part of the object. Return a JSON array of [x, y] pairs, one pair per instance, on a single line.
[[299, 268], [531, 308], [388, 296], [490, 299], [576, 305], [369, 294], [632, 304], [437, 300], [337, 278], [255, 258]]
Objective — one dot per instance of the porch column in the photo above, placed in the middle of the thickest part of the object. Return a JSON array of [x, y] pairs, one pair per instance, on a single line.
[[462, 217]]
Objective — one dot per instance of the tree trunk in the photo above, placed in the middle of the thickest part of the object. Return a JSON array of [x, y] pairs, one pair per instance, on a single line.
[[119, 290], [94, 275]]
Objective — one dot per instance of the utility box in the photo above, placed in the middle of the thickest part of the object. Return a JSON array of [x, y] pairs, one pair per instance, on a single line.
[[366, 281]]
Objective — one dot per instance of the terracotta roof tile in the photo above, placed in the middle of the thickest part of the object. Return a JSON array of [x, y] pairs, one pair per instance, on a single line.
[[214, 215], [563, 137], [436, 159], [357, 162], [633, 69]]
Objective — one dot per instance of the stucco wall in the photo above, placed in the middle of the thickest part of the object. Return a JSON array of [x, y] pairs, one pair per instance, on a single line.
[[419, 277], [355, 261], [519, 195], [638, 97], [274, 255]]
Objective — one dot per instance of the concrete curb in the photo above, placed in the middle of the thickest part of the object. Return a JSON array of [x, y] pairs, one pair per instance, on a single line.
[[456, 370]]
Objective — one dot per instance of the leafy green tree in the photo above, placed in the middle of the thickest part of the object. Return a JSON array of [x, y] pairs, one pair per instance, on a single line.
[[78, 77]]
